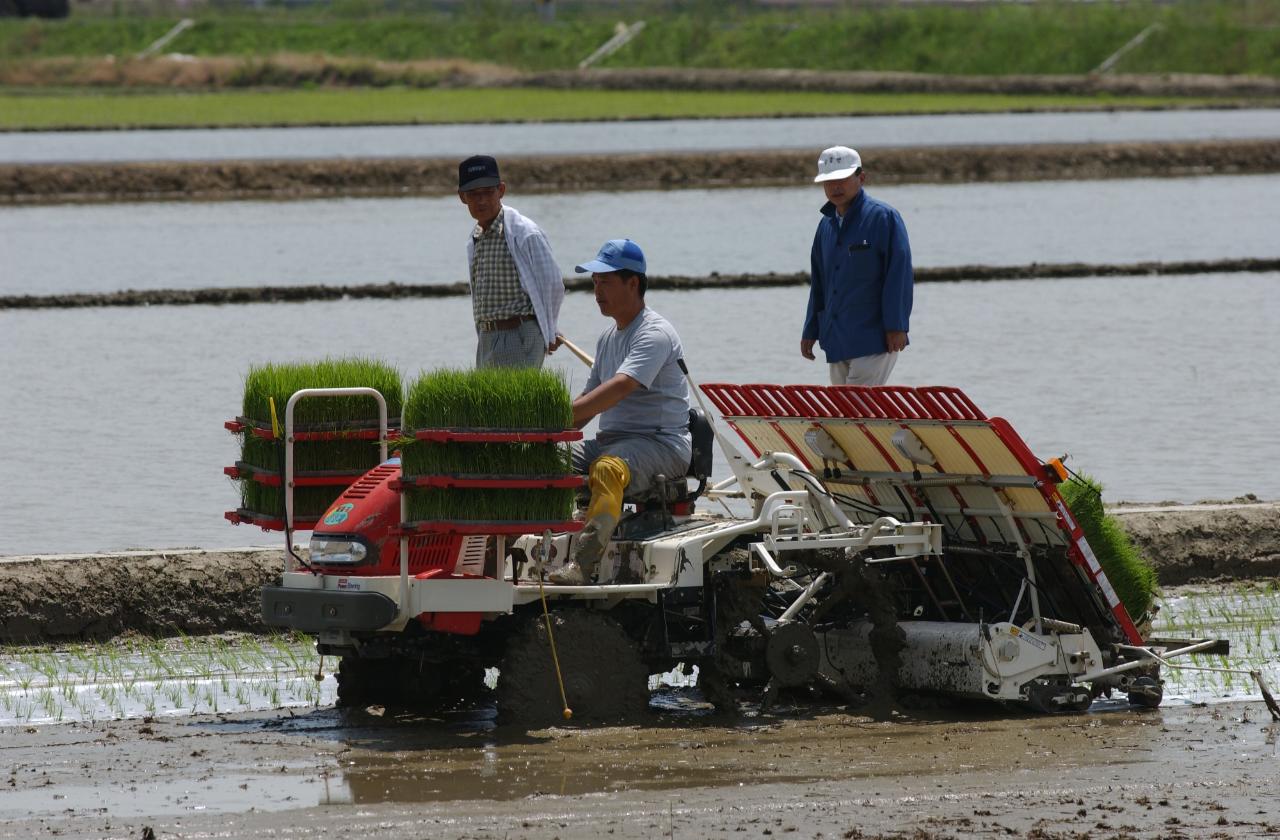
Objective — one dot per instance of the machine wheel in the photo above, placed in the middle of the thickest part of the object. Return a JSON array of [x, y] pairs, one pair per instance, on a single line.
[[1054, 698], [604, 676], [1146, 692], [363, 682]]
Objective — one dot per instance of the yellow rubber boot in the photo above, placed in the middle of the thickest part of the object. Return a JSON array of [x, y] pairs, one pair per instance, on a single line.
[[607, 477]]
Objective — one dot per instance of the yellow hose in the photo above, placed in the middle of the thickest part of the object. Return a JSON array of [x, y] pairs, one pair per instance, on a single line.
[[555, 657]]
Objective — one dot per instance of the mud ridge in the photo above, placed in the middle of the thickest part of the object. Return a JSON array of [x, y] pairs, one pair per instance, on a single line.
[[848, 81], [98, 596], [298, 294], [302, 179], [293, 69]]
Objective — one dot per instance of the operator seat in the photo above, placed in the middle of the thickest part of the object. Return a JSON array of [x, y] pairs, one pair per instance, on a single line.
[[674, 492]]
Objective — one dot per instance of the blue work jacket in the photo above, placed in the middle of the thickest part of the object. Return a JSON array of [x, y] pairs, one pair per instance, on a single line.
[[860, 280]]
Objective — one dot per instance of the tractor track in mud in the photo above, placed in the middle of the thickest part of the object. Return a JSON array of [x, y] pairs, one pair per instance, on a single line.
[[98, 596], [48, 183], [217, 296]]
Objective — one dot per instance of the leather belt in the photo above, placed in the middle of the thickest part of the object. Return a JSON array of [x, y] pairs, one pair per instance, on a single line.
[[503, 323]]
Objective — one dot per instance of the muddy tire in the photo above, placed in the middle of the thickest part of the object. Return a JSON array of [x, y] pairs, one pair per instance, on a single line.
[[365, 682], [1146, 693], [605, 679]]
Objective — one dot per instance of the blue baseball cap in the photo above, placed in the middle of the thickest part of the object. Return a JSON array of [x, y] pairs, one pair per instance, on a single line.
[[614, 255]]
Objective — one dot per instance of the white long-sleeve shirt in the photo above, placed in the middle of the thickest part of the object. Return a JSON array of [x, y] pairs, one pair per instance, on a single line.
[[540, 276]]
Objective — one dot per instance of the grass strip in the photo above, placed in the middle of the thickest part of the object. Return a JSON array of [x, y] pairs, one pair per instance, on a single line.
[[279, 382], [391, 106], [1211, 36], [1131, 575]]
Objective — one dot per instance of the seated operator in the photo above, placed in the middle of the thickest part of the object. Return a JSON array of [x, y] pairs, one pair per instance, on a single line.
[[640, 395]]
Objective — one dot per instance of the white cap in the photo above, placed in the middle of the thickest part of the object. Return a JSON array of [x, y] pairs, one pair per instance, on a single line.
[[837, 163]]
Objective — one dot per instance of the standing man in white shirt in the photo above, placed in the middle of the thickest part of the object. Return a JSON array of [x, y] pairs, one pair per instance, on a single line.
[[516, 286]]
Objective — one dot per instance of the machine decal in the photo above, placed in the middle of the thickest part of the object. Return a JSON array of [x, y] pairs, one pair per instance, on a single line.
[[349, 585], [1038, 644], [1089, 556], [338, 515]]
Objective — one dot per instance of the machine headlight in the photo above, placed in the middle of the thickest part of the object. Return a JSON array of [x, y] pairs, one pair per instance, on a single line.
[[327, 551]]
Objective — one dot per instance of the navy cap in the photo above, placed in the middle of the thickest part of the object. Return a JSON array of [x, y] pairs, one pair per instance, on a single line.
[[614, 255], [478, 172]]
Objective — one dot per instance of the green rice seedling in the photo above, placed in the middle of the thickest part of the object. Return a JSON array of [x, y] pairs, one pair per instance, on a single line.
[[1131, 575], [278, 383], [493, 399]]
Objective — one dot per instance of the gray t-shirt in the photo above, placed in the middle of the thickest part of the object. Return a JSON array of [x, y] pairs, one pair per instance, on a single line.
[[646, 351]]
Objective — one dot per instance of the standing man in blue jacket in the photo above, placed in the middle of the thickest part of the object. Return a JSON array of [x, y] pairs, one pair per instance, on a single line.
[[860, 277], [516, 285]]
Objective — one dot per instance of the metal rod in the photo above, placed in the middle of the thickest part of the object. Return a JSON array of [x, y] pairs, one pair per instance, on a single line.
[[804, 597]]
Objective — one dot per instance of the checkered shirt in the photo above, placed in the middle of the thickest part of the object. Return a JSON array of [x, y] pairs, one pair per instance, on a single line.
[[495, 283]]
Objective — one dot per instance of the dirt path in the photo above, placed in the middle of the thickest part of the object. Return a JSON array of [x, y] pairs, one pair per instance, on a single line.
[[185, 181], [382, 291], [1177, 772]]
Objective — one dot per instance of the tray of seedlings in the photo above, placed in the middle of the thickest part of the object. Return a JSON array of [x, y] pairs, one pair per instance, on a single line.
[[485, 452], [336, 439]]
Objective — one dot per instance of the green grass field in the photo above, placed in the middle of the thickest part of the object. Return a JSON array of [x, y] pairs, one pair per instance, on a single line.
[[1206, 36], [96, 109]]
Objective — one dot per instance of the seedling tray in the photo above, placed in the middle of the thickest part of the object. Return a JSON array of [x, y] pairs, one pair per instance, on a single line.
[[498, 435], [272, 478], [267, 522], [500, 482], [355, 430], [505, 527]]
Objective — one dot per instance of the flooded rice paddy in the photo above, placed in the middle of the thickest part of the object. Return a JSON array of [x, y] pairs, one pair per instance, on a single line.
[[134, 677], [1159, 386], [103, 248], [637, 136]]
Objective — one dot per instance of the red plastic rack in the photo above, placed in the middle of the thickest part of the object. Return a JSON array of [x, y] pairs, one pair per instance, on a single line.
[[267, 522], [497, 435], [271, 478], [855, 402], [264, 430], [496, 527], [501, 482]]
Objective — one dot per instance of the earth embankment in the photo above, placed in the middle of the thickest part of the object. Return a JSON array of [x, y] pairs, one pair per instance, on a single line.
[[300, 179], [98, 596], [296, 69]]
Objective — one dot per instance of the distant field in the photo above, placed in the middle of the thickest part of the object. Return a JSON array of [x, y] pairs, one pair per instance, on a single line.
[[83, 109], [1205, 36]]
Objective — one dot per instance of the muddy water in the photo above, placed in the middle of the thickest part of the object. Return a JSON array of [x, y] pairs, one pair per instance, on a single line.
[[1131, 376], [687, 232], [638, 136]]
